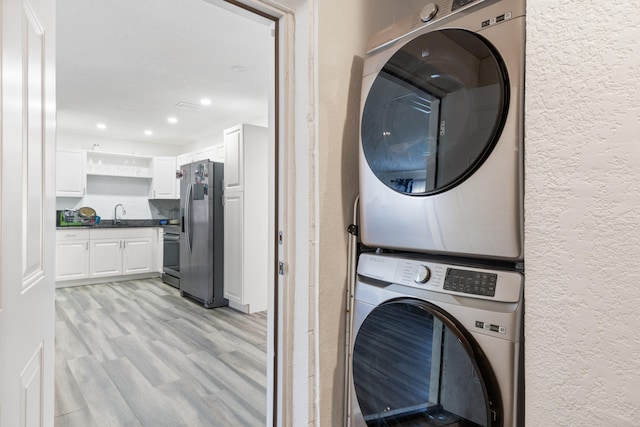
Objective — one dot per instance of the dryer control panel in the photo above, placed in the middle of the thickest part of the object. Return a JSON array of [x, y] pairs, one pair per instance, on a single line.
[[495, 285], [471, 282]]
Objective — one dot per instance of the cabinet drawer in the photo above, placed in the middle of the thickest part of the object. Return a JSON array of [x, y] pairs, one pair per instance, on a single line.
[[72, 234]]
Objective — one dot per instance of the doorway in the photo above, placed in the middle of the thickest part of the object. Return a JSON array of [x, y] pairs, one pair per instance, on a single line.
[[272, 120]]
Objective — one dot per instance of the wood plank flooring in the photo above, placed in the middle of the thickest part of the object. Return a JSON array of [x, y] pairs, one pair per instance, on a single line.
[[137, 354]]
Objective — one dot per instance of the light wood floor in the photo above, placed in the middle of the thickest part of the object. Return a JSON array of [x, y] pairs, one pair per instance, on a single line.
[[137, 354]]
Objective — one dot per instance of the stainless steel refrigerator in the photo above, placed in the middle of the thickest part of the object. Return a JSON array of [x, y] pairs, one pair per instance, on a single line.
[[202, 233]]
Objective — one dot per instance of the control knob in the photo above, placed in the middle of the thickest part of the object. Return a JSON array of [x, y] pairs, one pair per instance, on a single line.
[[421, 274], [428, 12]]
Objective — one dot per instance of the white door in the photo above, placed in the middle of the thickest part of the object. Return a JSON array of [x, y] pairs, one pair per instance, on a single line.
[[27, 206]]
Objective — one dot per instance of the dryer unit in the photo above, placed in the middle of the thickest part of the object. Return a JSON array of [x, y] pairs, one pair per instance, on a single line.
[[435, 345], [441, 152]]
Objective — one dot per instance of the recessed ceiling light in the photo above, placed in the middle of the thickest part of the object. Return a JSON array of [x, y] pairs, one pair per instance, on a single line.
[[238, 68], [101, 126], [148, 132], [205, 101], [172, 120]]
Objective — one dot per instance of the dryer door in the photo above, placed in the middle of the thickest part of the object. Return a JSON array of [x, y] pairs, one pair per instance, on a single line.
[[414, 365], [434, 112]]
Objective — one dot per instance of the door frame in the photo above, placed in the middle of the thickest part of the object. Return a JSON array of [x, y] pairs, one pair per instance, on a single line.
[[282, 214]]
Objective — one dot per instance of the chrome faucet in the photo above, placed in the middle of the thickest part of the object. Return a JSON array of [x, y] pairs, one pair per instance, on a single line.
[[115, 213]]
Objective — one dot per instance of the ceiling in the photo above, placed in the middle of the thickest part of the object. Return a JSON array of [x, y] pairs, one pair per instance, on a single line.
[[128, 63]]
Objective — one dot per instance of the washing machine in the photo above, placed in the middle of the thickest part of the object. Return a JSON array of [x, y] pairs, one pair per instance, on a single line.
[[435, 344], [441, 141]]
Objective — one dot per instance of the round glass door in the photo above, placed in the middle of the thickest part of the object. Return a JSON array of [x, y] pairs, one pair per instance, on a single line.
[[413, 366], [434, 112]]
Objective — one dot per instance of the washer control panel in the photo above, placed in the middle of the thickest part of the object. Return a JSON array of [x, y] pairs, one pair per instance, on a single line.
[[457, 4], [472, 282]]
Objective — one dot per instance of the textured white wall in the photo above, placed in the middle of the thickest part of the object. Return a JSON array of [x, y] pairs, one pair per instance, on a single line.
[[343, 28], [582, 213]]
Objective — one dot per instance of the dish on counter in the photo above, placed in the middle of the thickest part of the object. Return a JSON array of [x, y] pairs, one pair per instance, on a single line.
[[86, 212]]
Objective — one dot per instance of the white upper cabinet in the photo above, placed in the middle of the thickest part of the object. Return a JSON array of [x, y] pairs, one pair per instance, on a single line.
[[164, 178], [233, 156], [70, 173], [184, 159], [219, 153], [76, 169]]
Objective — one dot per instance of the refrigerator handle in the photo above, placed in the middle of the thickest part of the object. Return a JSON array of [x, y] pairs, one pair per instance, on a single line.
[[187, 221], [222, 191]]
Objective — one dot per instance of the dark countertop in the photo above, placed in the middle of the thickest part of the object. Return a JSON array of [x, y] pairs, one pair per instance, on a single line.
[[124, 223]]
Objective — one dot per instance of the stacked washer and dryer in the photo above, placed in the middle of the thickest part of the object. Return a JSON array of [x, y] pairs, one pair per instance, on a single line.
[[437, 329]]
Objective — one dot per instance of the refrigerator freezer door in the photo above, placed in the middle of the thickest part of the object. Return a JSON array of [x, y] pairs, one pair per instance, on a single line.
[[200, 245]]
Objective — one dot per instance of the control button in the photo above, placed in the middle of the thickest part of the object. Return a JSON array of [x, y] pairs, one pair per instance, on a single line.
[[428, 12], [421, 274]]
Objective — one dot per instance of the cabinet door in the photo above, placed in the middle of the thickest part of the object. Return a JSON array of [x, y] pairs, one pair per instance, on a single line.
[[72, 260], [137, 256], [105, 258], [233, 247], [70, 174], [218, 153], [233, 159], [181, 160], [164, 178]]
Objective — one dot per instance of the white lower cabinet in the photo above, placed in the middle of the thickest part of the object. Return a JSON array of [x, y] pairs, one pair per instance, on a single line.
[[119, 251], [106, 257], [107, 253], [137, 256], [72, 254]]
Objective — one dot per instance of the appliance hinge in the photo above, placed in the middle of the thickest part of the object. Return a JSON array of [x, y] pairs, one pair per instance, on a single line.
[[280, 237], [280, 268]]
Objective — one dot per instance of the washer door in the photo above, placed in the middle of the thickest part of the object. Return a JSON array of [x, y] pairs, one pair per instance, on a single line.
[[413, 365], [434, 112]]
